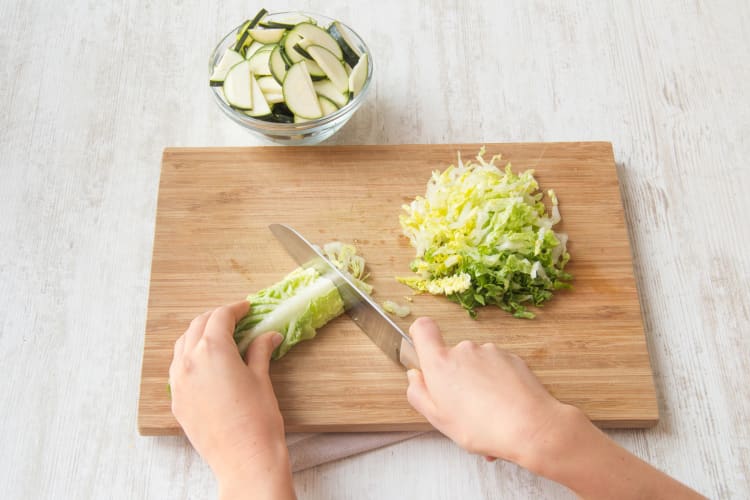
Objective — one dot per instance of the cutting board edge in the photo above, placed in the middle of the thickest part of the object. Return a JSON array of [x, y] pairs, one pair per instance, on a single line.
[[639, 298], [147, 430], [192, 149]]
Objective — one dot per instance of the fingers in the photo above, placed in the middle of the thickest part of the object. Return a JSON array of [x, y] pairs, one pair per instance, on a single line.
[[179, 348], [428, 341], [419, 396], [239, 309], [195, 331], [222, 321], [259, 353]]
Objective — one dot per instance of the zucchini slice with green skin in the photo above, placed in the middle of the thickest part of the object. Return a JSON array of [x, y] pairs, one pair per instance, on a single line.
[[297, 47], [277, 64], [331, 66], [313, 33], [252, 49], [287, 22], [327, 89], [238, 86], [326, 105], [243, 27], [259, 63], [258, 18], [239, 42], [269, 84], [243, 36], [261, 109], [273, 97], [270, 35], [282, 113], [358, 76], [283, 54], [229, 59], [316, 72], [299, 93], [348, 47]]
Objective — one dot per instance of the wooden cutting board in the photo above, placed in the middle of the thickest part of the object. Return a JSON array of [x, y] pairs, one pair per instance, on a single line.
[[212, 246]]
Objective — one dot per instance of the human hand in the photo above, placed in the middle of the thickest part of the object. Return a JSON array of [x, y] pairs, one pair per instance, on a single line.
[[489, 402], [227, 407], [483, 398]]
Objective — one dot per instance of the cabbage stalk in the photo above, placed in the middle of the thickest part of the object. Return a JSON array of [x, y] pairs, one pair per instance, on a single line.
[[301, 303]]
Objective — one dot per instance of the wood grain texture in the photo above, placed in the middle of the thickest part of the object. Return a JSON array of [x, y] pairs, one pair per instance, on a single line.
[[92, 92], [213, 246]]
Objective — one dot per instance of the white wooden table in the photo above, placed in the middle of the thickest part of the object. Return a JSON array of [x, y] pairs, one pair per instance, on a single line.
[[91, 92]]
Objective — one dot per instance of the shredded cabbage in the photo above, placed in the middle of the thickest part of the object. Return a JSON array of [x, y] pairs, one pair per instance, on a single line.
[[483, 236], [400, 310]]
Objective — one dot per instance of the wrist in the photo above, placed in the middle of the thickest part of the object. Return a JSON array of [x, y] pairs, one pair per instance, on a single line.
[[552, 445], [263, 474]]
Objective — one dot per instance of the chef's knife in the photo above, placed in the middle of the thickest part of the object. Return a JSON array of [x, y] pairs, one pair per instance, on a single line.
[[365, 312]]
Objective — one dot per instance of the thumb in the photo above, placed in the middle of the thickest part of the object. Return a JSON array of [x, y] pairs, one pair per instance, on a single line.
[[259, 352], [418, 395], [428, 342]]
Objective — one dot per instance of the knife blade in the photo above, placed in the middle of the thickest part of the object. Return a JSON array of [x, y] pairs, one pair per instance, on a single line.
[[360, 307]]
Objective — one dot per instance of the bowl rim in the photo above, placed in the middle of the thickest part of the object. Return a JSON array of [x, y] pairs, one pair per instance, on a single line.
[[249, 121]]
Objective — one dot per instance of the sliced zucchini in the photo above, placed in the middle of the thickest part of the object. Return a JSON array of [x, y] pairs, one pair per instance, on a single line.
[[271, 35], [289, 21], [282, 113], [229, 59], [252, 49], [269, 84], [258, 18], [348, 47], [238, 86], [316, 72], [303, 44], [287, 69], [243, 35], [331, 66], [239, 41], [327, 89], [299, 93], [259, 63], [283, 53], [243, 27], [314, 34], [327, 106], [297, 47], [261, 109], [277, 64], [273, 97], [358, 76]]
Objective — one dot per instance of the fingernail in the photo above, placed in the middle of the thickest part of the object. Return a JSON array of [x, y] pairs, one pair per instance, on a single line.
[[276, 340], [417, 322], [410, 374]]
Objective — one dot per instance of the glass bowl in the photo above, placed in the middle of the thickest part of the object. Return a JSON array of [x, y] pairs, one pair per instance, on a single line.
[[309, 132]]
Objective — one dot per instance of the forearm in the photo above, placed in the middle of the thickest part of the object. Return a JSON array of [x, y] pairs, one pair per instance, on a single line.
[[265, 476], [581, 457]]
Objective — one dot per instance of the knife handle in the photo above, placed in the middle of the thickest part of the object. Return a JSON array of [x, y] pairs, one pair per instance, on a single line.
[[407, 355]]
